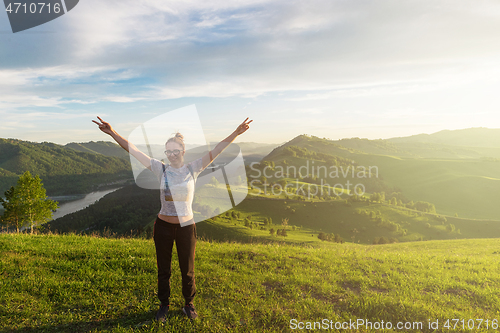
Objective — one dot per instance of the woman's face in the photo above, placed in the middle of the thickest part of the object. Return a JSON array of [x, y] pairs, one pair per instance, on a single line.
[[171, 149]]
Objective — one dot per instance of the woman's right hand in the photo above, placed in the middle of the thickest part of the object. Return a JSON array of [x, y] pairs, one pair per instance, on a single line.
[[129, 147], [104, 126]]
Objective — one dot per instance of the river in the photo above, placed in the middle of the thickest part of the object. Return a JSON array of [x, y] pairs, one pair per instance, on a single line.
[[79, 204]]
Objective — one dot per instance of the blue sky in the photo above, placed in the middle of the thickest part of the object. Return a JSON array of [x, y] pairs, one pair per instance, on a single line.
[[334, 69]]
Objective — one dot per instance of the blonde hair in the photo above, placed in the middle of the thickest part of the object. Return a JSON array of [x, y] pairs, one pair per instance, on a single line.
[[177, 138]]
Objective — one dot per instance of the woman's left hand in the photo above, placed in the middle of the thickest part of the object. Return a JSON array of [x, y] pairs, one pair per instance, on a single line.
[[243, 127]]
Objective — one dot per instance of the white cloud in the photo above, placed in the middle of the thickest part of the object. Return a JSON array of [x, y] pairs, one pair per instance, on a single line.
[[248, 48], [122, 99]]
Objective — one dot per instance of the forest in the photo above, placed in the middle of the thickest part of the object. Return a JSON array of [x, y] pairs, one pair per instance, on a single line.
[[63, 170]]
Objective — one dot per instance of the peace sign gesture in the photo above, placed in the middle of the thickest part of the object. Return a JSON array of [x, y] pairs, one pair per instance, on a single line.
[[104, 126], [243, 127]]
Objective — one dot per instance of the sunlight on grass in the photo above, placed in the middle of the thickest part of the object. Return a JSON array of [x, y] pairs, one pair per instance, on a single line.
[[76, 283]]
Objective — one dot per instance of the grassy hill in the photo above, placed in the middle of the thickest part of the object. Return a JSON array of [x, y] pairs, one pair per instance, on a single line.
[[80, 284]]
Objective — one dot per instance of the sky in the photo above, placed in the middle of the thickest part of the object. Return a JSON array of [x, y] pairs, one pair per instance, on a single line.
[[330, 68]]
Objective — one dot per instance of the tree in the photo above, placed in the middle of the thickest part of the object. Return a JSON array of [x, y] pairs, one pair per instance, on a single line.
[[383, 240], [282, 183], [284, 223], [11, 215], [27, 203]]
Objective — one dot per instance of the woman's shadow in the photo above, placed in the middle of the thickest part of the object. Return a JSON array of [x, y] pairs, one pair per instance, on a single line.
[[134, 321]]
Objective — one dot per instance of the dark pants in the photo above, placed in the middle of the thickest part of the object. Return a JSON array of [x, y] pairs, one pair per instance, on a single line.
[[185, 241]]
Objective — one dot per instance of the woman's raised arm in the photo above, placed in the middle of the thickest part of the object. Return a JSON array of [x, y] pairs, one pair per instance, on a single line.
[[124, 143], [212, 155]]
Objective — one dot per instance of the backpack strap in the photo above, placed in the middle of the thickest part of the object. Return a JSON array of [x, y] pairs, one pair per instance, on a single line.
[[191, 171]]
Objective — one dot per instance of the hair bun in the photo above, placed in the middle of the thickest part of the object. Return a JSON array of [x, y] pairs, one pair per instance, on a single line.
[[177, 138]]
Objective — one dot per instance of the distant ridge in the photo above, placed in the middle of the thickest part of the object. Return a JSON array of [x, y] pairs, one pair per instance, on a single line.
[[469, 137], [471, 143], [100, 147], [112, 149]]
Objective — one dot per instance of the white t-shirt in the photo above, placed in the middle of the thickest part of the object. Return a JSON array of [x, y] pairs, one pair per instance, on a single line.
[[176, 195]]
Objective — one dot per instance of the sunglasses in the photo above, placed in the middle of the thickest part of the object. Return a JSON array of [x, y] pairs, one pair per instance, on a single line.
[[173, 152]]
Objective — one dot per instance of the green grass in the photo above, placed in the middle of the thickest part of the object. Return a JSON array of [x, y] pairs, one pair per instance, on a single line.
[[74, 283], [229, 230]]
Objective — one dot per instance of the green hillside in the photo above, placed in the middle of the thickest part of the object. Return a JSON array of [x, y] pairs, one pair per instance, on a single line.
[[86, 284], [128, 208], [370, 221], [465, 186], [132, 210], [63, 170]]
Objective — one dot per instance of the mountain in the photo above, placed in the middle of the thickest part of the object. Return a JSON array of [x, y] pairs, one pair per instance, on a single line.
[[461, 181], [471, 143], [318, 161], [465, 143], [63, 170], [469, 137], [100, 147], [405, 147]]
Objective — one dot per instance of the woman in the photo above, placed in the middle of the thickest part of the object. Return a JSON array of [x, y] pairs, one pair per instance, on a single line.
[[176, 196]]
